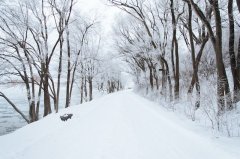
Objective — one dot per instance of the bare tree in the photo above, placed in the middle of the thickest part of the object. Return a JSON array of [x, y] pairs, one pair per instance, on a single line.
[[195, 72], [223, 86], [174, 49], [19, 51], [62, 13], [232, 54], [72, 67], [136, 10]]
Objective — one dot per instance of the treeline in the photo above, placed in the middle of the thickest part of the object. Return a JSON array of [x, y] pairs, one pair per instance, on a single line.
[[48, 46], [156, 37]]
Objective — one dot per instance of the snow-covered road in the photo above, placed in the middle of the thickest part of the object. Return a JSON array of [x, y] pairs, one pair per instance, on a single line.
[[122, 125]]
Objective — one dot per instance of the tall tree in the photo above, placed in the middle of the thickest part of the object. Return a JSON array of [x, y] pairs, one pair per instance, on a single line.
[[136, 10], [236, 84], [174, 50], [195, 71], [238, 53], [62, 14], [222, 86]]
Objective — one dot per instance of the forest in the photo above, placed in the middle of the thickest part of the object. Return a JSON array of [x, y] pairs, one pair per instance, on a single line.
[[46, 46], [183, 52]]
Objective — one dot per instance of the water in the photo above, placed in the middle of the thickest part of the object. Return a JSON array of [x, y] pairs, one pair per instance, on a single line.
[[10, 120]]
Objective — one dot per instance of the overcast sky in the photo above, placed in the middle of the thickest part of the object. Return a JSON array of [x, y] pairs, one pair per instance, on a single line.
[[99, 8], [105, 14]]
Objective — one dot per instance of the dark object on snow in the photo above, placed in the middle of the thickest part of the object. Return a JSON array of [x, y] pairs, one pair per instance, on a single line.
[[65, 117]]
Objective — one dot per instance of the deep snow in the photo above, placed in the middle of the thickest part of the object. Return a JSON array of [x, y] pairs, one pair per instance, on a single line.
[[10, 120], [121, 125]]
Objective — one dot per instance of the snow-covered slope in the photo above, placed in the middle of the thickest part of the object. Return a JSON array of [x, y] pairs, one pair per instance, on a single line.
[[122, 125]]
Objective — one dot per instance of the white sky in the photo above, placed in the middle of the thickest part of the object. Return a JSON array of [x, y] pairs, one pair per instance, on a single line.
[[105, 14], [100, 10]]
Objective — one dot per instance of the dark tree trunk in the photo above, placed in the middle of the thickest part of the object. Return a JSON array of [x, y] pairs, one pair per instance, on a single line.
[[81, 90], [155, 76], [223, 86], [169, 83], [238, 4], [195, 74], [168, 78], [197, 61], [175, 50], [68, 70], [59, 73], [151, 76], [32, 112], [176, 87], [90, 88], [238, 57], [164, 80], [85, 88], [236, 85], [47, 102]]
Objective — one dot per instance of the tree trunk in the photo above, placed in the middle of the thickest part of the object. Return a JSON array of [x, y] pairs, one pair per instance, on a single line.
[[223, 86], [26, 80], [238, 4], [85, 88], [222, 82], [32, 110], [156, 78], [68, 70], [238, 57], [197, 61], [164, 80], [59, 73], [90, 88], [151, 76], [47, 102], [81, 90], [195, 74], [168, 78], [39, 96], [236, 85], [175, 50]]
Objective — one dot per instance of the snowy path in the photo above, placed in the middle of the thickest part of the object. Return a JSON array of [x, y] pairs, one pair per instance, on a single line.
[[118, 126]]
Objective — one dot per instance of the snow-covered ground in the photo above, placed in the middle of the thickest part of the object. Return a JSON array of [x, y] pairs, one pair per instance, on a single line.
[[10, 120], [121, 125]]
